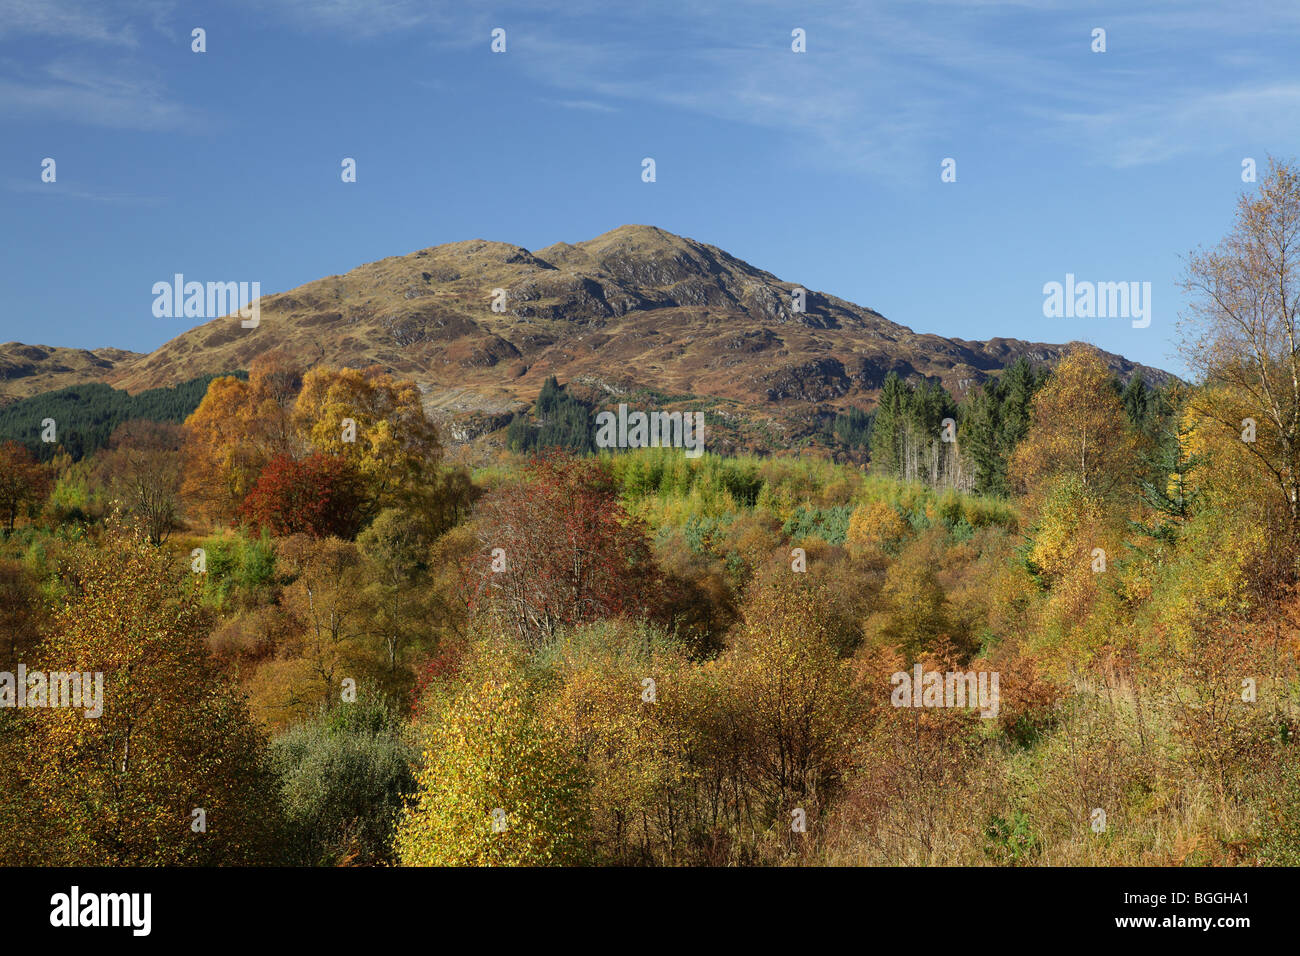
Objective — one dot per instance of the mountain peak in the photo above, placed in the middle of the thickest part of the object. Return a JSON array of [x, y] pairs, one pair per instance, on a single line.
[[637, 234], [479, 325], [627, 240]]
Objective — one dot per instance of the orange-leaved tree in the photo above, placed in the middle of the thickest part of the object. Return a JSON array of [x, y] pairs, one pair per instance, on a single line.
[[236, 430]]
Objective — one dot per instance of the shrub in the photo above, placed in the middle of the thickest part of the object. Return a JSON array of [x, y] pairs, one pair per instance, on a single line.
[[344, 778]]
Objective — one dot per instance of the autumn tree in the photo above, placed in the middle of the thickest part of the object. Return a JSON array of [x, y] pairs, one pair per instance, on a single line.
[[559, 549], [1229, 477], [142, 470], [325, 640], [122, 787], [695, 599], [1241, 335], [918, 781], [1079, 429], [875, 524], [319, 495], [497, 786], [440, 502], [236, 430], [913, 614], [641, 751], [24, 482], [377, 424], [368, 419], [792, 703]]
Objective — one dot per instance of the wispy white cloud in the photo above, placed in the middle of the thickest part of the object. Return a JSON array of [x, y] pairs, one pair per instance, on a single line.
[[1164, 129], [887, 82], [89, 64], [64, 19], [57, 190], [128, 96], [884, 84], [104, 23], [590, 106], [361, 18]]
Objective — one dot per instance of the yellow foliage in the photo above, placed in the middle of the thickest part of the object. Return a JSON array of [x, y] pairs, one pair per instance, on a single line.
[[875, 524], [1079, 429], [498, 787], [376, 422]]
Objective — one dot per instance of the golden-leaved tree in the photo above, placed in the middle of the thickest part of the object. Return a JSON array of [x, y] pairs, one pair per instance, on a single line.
[[1079, 429], [367, 419], [792, 700], [327, 614], [173, 738], [377, 423], [497, 786], [629, 706], [237, 428]]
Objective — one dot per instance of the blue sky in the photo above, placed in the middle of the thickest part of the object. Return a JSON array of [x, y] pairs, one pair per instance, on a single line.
[[821, 167]]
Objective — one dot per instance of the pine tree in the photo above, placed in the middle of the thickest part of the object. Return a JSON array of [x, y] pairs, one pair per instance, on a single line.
[[981, 440], [886, 448], [1019, 386], [1173, 498], [1137, 401]]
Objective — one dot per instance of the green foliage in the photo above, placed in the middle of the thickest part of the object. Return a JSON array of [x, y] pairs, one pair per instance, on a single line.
[[1011, 841], [87, 415], [625, 643], [72, 499], [702, 532], [852, 429], [908, 422], [994, 418], [829, 524], [238, 567], [1171, 493], [562, 421], [344, 777], [717, 483]]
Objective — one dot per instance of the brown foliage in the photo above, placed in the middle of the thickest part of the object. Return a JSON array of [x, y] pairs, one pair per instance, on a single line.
[[142, 470], [24, 482]]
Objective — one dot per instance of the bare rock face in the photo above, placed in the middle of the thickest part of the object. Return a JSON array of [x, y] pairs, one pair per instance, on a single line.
[[642, 309]]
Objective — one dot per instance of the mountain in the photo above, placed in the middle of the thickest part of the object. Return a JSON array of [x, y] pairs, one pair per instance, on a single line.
[[636, 312], [27, 370]]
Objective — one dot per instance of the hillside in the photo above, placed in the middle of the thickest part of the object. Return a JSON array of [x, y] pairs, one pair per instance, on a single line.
[[27, 370], [636, 309], [87, 414]]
